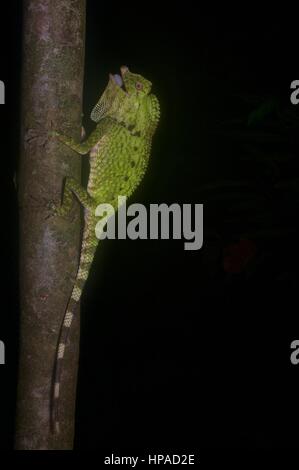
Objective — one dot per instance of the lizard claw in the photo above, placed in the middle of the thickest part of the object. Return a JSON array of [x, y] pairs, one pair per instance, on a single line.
[[52, 208], [58, 211]]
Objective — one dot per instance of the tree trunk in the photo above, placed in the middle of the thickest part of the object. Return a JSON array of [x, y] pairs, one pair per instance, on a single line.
[[52, 83]]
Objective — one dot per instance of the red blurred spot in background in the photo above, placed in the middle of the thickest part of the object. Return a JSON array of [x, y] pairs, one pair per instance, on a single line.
[[236, 256]]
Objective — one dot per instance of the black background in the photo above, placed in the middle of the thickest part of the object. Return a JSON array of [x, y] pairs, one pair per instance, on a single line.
[[183, 349]]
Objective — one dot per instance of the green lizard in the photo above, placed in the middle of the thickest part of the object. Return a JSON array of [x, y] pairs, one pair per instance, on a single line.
[[127, 115]]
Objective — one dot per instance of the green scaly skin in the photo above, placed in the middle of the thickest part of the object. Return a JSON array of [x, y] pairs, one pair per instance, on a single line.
[[119, 150]]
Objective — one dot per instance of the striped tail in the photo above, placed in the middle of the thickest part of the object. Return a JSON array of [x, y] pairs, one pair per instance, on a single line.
[[89, 245]]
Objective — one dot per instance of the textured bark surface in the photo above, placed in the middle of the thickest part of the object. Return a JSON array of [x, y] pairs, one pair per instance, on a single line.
[[52, 82]]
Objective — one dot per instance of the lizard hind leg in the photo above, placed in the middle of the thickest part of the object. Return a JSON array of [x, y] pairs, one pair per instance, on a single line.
[[73, 187]]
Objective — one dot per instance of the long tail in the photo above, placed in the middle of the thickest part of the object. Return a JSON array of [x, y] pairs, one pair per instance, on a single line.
[[89, 245]]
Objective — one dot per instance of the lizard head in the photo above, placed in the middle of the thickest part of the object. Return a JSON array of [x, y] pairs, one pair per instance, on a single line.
[[132, 83], [120, 94]]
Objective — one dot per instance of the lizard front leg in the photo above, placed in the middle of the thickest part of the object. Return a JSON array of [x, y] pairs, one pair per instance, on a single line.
[[73, 187], [80, 147]]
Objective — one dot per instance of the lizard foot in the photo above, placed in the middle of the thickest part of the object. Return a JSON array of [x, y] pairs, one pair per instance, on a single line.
[[52, 208], [59, 211], [53, 133]]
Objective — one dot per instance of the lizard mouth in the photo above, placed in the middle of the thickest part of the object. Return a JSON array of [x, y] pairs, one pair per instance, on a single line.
[[118, 79]]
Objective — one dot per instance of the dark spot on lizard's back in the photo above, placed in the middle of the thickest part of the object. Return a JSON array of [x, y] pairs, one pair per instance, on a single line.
[[135, 149], [131, 127], [126, 178], [132, 163], [137, 134]]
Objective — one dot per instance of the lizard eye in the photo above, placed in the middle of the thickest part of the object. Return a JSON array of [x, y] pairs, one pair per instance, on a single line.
[[139, 86]]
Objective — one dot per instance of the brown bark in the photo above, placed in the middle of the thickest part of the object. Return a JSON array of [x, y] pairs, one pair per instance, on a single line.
[[52, 82]]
